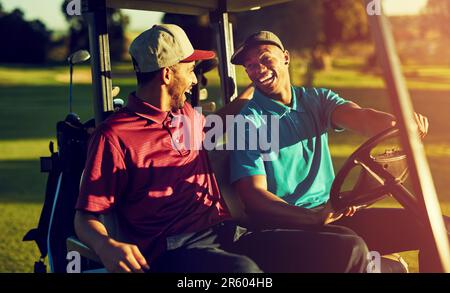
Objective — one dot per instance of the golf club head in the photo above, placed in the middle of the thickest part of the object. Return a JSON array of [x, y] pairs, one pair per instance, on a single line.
[[115, 91], [203, 94], [208, 106], [78, 57], [73, 119], [118, 103]]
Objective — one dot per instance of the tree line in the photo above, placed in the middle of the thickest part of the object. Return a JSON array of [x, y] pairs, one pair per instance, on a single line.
[[316, 25]]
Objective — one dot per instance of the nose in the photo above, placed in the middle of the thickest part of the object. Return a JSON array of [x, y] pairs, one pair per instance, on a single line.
[[194, 78], [260, 69]]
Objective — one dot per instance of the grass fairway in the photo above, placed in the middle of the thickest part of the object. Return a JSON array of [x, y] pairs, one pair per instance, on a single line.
[[33, 100]]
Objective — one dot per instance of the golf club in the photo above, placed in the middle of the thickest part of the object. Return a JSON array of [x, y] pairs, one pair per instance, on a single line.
[[75, 58]]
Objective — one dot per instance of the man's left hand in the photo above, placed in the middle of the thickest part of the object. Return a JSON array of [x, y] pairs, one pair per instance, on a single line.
[[332, 216], [350, 211]]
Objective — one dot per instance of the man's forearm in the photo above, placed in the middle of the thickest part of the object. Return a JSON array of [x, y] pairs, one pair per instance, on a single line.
[[376, 122], [363, 121], [115, 256], [90, 230], [269, 211]]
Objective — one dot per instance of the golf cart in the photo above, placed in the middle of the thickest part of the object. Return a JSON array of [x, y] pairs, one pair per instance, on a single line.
[[382, 175]]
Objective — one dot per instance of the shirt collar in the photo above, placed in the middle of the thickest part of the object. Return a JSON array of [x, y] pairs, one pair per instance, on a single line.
[[275, 107], [146, 110], [297, 95]]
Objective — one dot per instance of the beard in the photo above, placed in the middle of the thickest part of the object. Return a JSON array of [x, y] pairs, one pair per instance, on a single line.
[[177, 102]]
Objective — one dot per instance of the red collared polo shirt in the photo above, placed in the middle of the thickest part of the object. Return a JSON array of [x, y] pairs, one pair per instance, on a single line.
[[157, 188]]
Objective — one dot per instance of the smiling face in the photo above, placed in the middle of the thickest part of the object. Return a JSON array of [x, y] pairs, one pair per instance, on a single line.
[[268, 68], [183, 80]]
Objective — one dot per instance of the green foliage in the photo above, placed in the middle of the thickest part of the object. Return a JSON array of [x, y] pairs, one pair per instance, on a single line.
[[306, 24], [343, 21], [301, 24], [297, 23], [438, 12], [23, 41], [79, 37]]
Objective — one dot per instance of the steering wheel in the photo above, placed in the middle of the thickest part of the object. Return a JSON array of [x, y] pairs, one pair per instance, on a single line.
[[381, 176]]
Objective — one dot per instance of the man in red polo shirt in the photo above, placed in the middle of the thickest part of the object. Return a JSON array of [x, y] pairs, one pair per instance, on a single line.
[[165, 195]]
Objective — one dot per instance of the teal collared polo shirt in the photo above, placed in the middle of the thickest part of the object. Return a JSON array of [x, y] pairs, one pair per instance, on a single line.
[[299, 170]]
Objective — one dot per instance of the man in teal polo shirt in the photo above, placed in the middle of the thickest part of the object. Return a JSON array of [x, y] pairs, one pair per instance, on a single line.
[[298, 127], [288, 186]]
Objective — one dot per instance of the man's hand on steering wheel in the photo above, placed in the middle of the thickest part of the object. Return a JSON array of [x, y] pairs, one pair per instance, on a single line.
[[331, 216]]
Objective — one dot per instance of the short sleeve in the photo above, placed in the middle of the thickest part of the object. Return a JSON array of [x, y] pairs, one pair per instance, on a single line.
[[104, 177], [329, 101], [247, 161]]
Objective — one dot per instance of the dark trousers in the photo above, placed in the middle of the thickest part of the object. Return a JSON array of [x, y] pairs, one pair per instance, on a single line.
[[389, 230], [228, 248], [339, 247]]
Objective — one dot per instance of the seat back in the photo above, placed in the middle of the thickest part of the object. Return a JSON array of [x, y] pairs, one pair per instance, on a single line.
[[220, 164]]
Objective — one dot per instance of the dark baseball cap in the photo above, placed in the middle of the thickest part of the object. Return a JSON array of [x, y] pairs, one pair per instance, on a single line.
[[261, 37]]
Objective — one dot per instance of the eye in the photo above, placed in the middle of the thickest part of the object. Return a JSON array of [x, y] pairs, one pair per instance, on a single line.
[[266, 60], [251, 67]]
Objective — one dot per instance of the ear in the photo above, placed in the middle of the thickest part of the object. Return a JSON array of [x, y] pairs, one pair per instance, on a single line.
[[166, 75], [287, 57]]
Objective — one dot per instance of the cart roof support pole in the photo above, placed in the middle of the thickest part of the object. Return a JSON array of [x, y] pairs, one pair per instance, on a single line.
[[401, 104], [94, 12], [224, 33]]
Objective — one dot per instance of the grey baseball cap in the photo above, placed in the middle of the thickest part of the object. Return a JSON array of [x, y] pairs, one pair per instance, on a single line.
[[163, 46], [261, 37]]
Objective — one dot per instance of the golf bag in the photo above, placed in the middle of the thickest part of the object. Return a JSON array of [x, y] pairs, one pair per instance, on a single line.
[[65, 168]]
